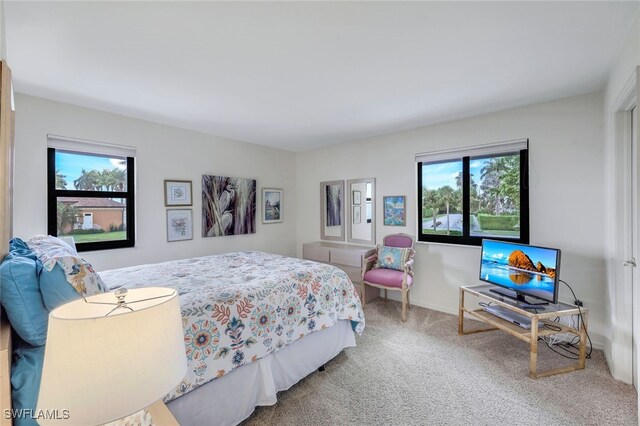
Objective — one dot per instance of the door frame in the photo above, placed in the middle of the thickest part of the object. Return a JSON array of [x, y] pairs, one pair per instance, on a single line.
[[617, 228], [632, 126], [85, 215]]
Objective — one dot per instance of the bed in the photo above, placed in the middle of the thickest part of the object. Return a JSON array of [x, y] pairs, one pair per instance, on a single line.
[[275, 319], [229, 389], [255, 323]]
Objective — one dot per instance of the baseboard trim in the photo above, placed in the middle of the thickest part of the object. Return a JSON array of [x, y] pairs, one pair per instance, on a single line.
[[607, 356], [446, 309]]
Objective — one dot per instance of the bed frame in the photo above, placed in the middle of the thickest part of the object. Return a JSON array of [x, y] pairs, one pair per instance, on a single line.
[[5, 370], [7, 117]]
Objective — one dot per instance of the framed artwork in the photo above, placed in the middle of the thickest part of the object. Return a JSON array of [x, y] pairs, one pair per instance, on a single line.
[[228, 206], [179, 225], [332, 210], [334, 204], [356, 197], [357, 218], [271, 205], [177, 193], [394, 210]]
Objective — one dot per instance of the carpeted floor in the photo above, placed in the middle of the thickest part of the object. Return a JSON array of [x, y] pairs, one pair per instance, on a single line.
[[422, 373]]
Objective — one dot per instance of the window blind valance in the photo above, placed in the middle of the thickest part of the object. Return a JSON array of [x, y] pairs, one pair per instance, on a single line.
[[484, 150], [90, 147]]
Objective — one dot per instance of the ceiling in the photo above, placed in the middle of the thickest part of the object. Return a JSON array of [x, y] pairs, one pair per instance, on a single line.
[[301, 75]]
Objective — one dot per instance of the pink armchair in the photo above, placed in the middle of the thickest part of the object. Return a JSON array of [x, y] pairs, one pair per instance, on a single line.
[[391, 279]]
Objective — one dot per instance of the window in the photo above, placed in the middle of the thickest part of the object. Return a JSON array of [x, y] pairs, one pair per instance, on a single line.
[[91, 194], [475, 193]]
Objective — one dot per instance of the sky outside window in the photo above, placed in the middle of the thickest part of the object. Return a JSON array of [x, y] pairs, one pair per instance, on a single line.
[[71, 165], [437, 175]]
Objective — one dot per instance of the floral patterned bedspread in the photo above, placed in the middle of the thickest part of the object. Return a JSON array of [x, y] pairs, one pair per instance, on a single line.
[[240, 307]]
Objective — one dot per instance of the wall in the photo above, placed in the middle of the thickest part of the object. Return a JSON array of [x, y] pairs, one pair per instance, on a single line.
[[163, 152], [3, 33], [566, 193], [618, 295], [104, 218]]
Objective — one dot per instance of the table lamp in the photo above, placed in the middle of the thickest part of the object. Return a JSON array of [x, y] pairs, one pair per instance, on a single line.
[[111, 355]]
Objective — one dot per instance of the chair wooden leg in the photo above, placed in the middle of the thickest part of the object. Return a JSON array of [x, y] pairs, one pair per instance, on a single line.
[[362, 295], [404, 306], [409, 299], [385, 294]]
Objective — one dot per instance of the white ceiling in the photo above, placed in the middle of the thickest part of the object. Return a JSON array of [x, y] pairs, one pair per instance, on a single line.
[[303, 75]]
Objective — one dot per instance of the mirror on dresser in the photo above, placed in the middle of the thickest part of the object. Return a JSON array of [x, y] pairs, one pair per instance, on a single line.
[[332, 210], [361, 211]]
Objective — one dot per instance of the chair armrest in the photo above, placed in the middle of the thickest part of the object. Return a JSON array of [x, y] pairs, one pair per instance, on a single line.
[[371, 258], [408, 266], [369, 262]]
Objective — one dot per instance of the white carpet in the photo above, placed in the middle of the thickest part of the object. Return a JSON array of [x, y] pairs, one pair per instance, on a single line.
[[422, 373]]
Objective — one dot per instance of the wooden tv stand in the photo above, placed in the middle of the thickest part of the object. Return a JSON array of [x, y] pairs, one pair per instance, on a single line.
[[545, 315]]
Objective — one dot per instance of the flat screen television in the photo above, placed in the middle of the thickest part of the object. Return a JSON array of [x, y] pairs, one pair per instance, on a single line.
[[521, 270]]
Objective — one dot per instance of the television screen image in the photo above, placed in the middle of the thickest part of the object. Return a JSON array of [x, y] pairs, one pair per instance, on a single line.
[[527, 270]]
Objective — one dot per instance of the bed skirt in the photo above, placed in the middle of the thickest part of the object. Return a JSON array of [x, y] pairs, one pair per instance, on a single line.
[[232, 398]]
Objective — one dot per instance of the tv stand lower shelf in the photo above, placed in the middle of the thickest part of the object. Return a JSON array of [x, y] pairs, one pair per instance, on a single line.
[[530, 336]]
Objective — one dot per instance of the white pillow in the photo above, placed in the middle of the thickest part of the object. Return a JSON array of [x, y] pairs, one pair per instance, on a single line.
[[52, 251], [48, 248]]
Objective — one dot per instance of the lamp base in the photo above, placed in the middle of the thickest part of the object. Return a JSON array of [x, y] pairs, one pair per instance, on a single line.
[[161, 415]]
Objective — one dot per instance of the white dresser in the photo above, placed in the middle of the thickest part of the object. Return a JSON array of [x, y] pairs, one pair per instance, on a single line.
[[348, 257]]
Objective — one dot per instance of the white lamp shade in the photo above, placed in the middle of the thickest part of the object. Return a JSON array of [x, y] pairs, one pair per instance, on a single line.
[[102, 368]]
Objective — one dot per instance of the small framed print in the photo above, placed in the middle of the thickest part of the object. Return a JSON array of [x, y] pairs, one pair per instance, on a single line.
[[394, 210], [357, 218], [177, 193], [356, 198], [179, 225], [271, 205]]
